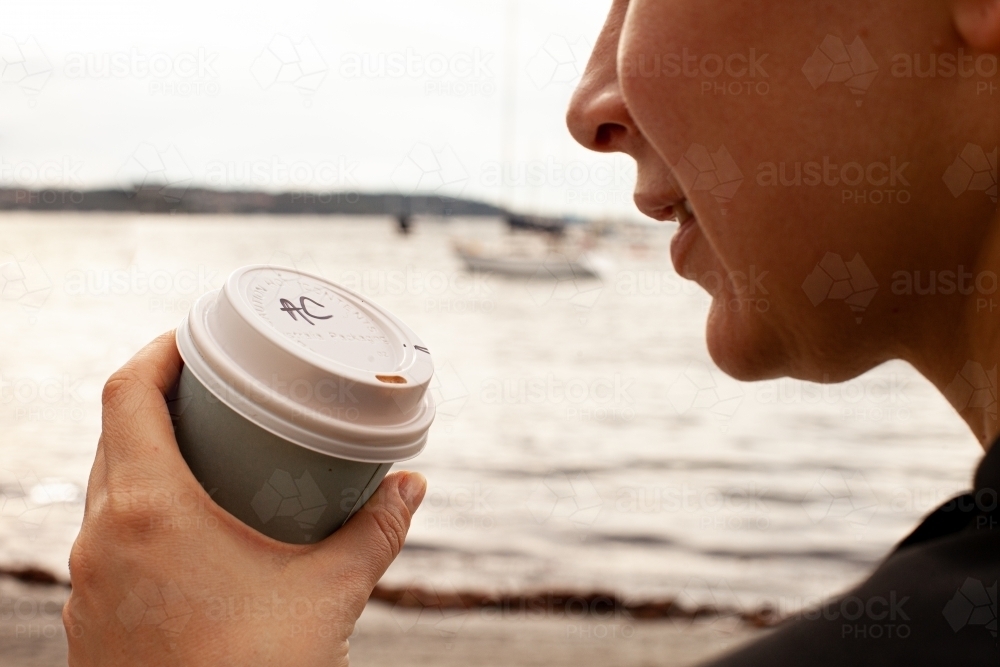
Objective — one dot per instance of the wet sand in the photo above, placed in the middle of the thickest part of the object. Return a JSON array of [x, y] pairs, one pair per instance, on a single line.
[[381, 641], [31, 635], [31, 629]]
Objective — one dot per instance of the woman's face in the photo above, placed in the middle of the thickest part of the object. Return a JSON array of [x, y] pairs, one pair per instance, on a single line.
[[817, 164]]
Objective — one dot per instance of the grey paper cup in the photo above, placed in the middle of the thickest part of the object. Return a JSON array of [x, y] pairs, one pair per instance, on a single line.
[[296, 398]]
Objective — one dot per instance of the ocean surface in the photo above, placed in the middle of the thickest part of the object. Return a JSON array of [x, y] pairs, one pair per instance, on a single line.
[[585, 440]]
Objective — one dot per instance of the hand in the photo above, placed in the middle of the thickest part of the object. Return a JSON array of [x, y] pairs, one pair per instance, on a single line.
[[163, 576]]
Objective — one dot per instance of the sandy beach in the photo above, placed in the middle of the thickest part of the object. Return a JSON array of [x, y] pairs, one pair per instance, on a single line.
[[32, 635]]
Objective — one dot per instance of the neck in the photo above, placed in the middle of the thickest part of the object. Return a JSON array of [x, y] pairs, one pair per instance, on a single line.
[[964, 358]]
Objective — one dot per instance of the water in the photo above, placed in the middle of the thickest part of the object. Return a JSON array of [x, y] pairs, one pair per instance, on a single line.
[[584, 439]]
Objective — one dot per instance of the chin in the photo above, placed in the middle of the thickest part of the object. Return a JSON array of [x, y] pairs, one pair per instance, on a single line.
[[744, 346], [750, 348]]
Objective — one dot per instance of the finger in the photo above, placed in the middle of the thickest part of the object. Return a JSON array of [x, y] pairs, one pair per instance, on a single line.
[[136, 426], [373, 537]]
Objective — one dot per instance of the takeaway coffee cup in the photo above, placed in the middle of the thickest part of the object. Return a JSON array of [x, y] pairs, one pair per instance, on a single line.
[[296, 397]]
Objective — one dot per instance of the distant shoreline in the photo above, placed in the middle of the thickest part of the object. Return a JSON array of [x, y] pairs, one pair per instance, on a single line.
[[169, 199]]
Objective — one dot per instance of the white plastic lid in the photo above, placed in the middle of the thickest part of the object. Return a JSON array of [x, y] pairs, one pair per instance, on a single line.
[[313, 363]]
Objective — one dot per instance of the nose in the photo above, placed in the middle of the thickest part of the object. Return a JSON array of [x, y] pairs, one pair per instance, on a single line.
[[599, 120], [598, 117]]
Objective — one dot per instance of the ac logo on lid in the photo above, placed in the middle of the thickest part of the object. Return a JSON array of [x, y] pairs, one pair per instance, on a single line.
[[303, 310]]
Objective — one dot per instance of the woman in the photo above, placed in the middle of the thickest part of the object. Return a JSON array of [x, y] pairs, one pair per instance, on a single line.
[[825, 147]]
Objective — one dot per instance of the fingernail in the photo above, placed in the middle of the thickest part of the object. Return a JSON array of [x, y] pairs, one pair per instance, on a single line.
[[412, 490]]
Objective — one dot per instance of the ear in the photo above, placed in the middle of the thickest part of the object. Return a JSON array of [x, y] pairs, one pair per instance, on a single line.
[[978, 22]]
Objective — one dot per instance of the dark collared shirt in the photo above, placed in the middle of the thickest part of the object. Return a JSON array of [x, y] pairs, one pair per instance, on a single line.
[[933, 601]]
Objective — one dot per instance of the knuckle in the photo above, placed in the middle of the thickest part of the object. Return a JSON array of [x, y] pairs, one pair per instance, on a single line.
[[392, 527], [118, 386], [70, 621], [82, 570], [118, 502], [131, 512], [126, 512], [77, 623]]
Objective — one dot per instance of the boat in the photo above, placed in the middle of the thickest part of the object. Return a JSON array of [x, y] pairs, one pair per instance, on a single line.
[[551, 265]]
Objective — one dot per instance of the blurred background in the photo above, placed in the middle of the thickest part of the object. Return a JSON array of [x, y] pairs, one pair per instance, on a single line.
[[417, 153], [309, 96]]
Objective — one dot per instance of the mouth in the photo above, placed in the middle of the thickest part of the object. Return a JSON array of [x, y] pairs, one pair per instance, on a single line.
[[678, 209], [684, 211], [664, 208], [684, 239]]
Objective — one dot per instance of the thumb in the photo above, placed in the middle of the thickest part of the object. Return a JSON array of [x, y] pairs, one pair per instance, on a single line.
[[373, 537]]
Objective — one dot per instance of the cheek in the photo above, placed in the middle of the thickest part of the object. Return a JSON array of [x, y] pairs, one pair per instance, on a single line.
[[669, 68], [703, 72]]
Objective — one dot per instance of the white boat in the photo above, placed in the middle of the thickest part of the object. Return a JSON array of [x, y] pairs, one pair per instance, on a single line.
[[552, 265]]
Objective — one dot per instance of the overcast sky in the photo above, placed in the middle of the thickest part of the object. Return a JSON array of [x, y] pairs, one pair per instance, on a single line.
[[403, 95]]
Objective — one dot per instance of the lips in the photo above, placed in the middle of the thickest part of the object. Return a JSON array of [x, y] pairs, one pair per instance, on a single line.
[[663, 208], [680, 245], [684, 211]]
